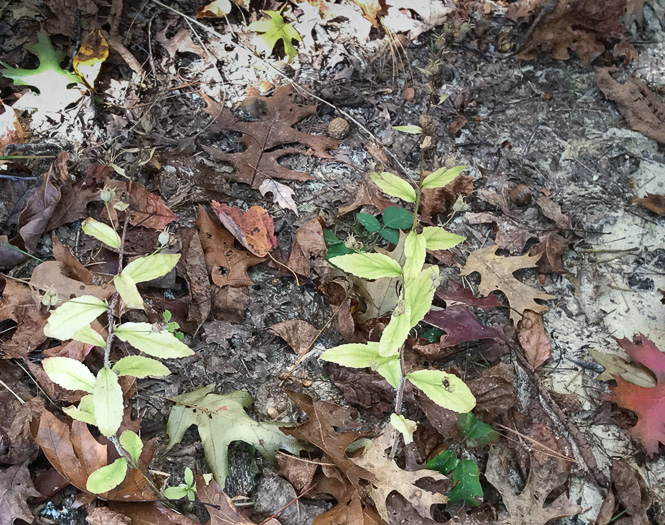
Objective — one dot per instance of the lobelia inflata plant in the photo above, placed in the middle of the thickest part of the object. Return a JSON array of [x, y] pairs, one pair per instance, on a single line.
[[419, 281], [103, 405]]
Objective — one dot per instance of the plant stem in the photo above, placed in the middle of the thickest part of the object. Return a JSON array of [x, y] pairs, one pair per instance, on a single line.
[[114, 301]]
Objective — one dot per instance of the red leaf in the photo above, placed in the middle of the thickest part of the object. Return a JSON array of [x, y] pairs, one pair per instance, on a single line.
[[460, 325], [455, 294], [647, 403], [254, 229]]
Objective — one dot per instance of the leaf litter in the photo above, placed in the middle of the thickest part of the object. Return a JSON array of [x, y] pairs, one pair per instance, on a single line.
[[224, 271]]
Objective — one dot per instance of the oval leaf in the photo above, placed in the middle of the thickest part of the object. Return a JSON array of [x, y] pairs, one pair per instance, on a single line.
[[132, 443], [73, 315], [151, 267], [157, 344], [390, 369], [442, 177], [396, 217], [394, 186], [419, 293], [139, 366], [396, 332], [89, 336], [414, 130], [404, 426], [440, 239], [176, 492], [107, 402], [352, 355], [106, 478], [368, 265], [370, 222], [84, 412], [102, 232], [128, 291], [446, 390], [69, 373], [415, 250]]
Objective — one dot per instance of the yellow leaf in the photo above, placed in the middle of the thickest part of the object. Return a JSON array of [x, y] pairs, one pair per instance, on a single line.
[[90, 57]]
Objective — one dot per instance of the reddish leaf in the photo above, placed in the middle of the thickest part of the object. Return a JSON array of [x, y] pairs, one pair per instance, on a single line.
[[227, 265], [145, 209], [534, 340], [254, 229], [460, 325], [647, 403], [456, 294]]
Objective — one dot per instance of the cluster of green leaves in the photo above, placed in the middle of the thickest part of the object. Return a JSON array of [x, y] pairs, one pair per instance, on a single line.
[[188, 488], [275, 29], [172, 326], [103, 405], [419, 282], [466, 477]]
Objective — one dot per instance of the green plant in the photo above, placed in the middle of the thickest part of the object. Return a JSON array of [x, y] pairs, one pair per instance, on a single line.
[[103, 405], [466, 477], [275, 29], [172, 326], [419, 282], [188, 488], [394, 219]]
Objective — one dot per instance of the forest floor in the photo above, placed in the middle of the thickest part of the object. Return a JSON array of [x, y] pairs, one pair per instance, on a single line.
[[562, 160]]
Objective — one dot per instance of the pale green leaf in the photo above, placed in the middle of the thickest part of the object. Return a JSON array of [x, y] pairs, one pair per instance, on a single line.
[[73, 315], [69, 373], [390, 369], [176, 492], [419, 293], [415, 251], [414, 130], [446, 390], [84, 412], [151, 267], [404, 426], [394, 186], [107, 400], [161, 344], [396, 332], [132, 443], [440, 239], [106, 478], [368, 265], [128, 291], [89, 336], [277, 29], [442, 177], [221, 419], [139, 366], [352, 355], [189, 477], [102, 232]]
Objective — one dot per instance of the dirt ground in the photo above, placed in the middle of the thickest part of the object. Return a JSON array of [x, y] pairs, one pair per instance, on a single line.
[[542, 123]]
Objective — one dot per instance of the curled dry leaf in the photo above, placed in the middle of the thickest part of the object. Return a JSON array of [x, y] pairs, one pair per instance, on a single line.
[[366, 194], [153, 513], [440, 200], [145, 209], [254, 229], [297, 333], [226, 264], [534, 340], [309, 248], [551, 249], [282, 194], [192, 266]]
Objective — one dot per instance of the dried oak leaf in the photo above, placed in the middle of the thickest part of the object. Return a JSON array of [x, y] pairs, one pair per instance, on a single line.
[[76, 454], [632, 493], [297, 333], [309, 248], [388, 478], [350, 508], [550, 248], [647, 403], [226, 264], [497, 275], [581, 25], [145, 209], [254, 229], [534, 340], [617, 366], [15, 489], [529, 505], [192, 266], [297, 472], [510, 235], [643, 110], [440, 200], [653, 202], [456, 294], [365, 194], [263, 138]]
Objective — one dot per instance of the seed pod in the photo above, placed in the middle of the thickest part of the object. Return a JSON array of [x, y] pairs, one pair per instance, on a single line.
[[338, 128], [520, 195]]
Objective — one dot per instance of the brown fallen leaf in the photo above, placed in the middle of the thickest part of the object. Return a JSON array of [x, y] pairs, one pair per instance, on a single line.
[[281, 193], [497, 275], [64, 255], [642, 108], [534, 340], [552, 211], [192, 266], [364, 194], [440, 200], [153, 513], [226, 264], [263, 137], [456, 294], [550, 248], [297, 472], [631, 494], [529, 505], [350, 508], [15, 489], [254, 229], [653, 202], [60, 277], [510, 235], [145, 209], [17, 303], [180, 42], [215, 9], [297, 333], [106, 516], [615, 365], [309, 248], [11, 131]]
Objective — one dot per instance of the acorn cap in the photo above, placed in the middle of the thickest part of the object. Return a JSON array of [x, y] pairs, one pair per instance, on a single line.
[[338, 128]]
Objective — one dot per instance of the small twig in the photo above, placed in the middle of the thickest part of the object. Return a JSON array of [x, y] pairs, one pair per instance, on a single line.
[[553, 452], [12, 392], [295, 275]]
